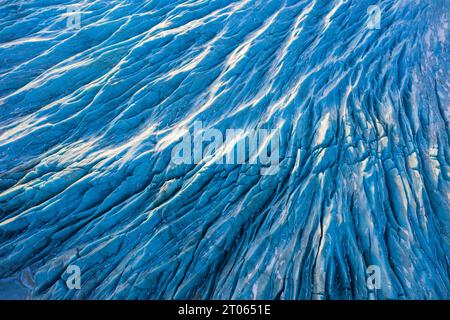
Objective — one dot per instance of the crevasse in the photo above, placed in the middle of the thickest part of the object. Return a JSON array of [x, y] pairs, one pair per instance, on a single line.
[[87, 122]]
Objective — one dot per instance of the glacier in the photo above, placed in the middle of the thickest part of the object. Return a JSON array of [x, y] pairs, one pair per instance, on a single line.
[[91, 110]]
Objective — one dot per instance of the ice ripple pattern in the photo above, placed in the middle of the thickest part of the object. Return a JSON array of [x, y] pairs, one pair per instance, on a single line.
[[87, 127]]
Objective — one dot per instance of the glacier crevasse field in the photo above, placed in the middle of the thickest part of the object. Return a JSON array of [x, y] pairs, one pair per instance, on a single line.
[[90, 115]]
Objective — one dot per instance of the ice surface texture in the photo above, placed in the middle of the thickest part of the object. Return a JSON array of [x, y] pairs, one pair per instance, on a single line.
[[87, 125]]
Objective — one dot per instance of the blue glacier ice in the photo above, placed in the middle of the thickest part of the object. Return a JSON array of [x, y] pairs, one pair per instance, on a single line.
[[91, 112]]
